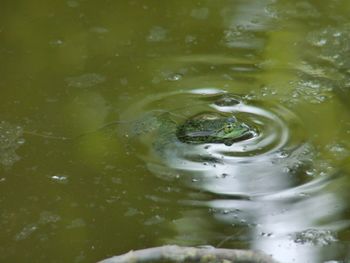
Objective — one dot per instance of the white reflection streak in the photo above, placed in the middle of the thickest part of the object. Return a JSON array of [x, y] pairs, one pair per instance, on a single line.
[[278, 218], [301, 216], [265, 178]]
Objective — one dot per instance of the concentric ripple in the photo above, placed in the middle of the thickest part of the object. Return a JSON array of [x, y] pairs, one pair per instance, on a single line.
[[272, 123], [242, 167]]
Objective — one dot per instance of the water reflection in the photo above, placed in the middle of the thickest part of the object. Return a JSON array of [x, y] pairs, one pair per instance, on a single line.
[[260, 183], [287, 225]]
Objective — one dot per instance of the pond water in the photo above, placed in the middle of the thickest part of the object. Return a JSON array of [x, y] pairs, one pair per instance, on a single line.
[[88, 170]]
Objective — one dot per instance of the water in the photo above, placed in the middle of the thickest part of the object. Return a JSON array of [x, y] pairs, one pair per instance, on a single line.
[[85, 172]]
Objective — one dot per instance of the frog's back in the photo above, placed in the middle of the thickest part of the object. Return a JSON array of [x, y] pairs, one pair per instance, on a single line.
[[155, 127]]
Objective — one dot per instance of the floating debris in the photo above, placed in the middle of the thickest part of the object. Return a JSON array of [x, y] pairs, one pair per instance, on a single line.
[[10, 140], [46, 217], [315, 237], [86, 80], [26, 232], [157, 34]]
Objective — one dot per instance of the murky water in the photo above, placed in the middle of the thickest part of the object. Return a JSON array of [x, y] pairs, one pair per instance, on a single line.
[[88, 170]]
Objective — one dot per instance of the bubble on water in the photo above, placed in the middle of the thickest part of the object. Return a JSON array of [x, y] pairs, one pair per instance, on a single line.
[[264, 234], [320, 42], [250, 96], [157, 34], [315, 237], [266, 91], [60, 178], [295, 95], [227, 101], [175, 77], [282, 154], [56, 43], [311, 172], [21, 141], [85, 80]]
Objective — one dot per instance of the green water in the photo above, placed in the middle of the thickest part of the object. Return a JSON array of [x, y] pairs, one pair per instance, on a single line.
[[76, 190]]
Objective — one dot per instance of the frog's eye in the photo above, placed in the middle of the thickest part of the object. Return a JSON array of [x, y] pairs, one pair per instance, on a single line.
[[231, 119], [228, 128]]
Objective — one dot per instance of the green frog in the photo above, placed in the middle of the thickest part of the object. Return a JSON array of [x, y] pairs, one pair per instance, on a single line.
[[213, 128], [199, 129]]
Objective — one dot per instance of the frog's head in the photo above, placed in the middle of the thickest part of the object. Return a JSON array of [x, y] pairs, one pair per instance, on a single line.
[[231, 129], [218, 129]]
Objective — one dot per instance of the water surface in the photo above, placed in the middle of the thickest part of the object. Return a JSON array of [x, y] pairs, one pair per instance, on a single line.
[[83, 179]]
